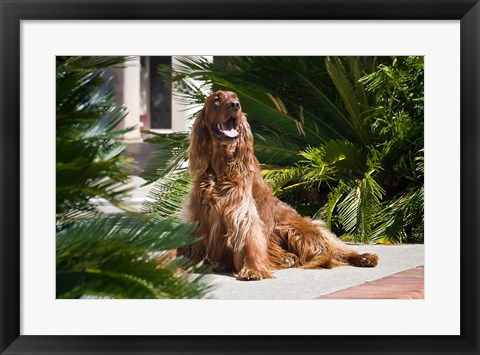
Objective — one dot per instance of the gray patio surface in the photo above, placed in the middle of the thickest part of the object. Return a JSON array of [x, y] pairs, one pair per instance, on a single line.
[[308, 284]]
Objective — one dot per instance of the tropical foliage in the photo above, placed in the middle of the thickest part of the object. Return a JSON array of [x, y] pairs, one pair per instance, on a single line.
[[89, 160], [117, 255], [338, 137]]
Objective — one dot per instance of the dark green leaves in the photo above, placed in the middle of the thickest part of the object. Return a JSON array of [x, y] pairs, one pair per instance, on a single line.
[[89, 160], [121, 257]]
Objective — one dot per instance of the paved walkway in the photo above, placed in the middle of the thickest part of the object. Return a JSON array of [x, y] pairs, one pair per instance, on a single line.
[[311, 284]]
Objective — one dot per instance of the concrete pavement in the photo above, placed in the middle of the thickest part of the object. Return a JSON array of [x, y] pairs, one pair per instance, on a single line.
[[309, 284]]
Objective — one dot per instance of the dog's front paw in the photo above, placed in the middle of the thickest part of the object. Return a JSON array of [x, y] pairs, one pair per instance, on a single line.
[[253, 275]]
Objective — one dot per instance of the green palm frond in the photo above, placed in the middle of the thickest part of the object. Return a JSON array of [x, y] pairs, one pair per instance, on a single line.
[[354, 106], [326, 213], [344, 158], [170, 154], [271, 148], [303, 85], [280, 179], [166, 198], [401, 219], [187, 79], [167, 168], [360, 206], [420, 163], [316, 168], [331, 161], [82, 83], [89, 155], [120, 256]]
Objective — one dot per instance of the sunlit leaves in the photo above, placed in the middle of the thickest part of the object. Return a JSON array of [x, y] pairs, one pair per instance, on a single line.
[[358, 209]]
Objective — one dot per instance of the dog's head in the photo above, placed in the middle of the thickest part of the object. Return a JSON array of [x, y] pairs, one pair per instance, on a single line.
[[221, 122], [222, 116]]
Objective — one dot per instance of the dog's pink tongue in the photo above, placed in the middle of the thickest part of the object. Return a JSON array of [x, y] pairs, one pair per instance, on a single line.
[[230, 133]]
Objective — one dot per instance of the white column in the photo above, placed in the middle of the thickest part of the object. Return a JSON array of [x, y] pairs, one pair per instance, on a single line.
[[131, 98]]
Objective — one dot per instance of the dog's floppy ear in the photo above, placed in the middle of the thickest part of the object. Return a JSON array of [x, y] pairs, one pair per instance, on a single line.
[[245, 145], [199, 146]]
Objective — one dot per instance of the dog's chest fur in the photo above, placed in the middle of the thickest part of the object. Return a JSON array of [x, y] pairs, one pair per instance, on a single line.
[[220, 195]]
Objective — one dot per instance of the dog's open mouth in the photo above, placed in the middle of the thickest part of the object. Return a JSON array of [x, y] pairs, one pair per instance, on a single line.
[[226, 129]]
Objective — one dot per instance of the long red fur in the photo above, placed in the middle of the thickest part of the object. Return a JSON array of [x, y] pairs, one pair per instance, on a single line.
[[244, 228]]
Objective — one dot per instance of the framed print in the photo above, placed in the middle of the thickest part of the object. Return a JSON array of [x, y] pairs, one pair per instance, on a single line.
[[40, 314]]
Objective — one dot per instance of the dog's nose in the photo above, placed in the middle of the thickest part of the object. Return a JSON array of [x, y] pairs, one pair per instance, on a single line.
[[234, 105]]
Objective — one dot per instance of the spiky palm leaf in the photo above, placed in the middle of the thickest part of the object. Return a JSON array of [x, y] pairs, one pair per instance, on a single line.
[[360, 206], [120, 257], [280, 179], [333, 161], [166, 198], [355, 102], [401, 218], [89, 160], [167, 168], [403, 215], [333, 199], [170, 154], [271, 148]]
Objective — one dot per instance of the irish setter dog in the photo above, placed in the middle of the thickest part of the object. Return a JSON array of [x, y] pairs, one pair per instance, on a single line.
[[244, 228]]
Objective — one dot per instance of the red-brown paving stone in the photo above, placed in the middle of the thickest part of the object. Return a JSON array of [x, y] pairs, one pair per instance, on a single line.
[[406, 284]]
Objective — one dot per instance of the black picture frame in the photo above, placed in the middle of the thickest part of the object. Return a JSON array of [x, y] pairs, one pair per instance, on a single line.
[[13, 12]]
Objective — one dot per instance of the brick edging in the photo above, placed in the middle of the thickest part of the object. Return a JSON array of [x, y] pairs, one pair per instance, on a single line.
[[408, 284]]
